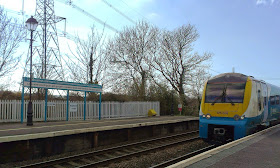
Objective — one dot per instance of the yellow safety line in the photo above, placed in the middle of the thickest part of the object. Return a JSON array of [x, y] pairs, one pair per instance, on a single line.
[[48, 126], [43, 127], [80, 123]]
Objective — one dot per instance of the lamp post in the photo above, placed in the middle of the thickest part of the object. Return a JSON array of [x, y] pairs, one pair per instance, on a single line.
[[31, 24], [172, 104]]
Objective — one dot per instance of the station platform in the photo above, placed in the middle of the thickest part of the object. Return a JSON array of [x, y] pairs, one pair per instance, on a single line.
[[16, 131], [19, 142], [258, 150]]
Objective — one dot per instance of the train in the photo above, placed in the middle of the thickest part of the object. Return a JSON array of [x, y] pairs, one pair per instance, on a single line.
[[235, 105]]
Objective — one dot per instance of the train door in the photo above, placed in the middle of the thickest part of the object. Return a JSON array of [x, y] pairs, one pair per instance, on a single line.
[[265, 101], [260, 99]]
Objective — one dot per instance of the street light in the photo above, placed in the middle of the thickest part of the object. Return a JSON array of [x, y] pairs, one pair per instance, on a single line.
[[31, 24], [172, 105]]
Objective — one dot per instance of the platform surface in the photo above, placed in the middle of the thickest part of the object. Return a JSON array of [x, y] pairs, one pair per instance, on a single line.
[[17, 131], [261, 150]]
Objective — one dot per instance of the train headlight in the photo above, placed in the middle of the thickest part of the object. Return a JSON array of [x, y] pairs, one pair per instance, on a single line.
[[208, 116], [236, 117], [203, 116], [242, 117]]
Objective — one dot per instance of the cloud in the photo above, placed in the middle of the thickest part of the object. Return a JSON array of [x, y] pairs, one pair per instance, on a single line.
[[153, 16], [261, 2], [264, 2]]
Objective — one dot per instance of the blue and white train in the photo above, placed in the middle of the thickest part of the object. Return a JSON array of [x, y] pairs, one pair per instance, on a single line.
[[235, 105]]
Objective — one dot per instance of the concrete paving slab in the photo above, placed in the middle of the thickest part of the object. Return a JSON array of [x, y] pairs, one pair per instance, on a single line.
[[254, 151]]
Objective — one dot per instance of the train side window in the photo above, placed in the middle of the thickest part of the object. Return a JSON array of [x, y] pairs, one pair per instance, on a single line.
[[259, 100], [265, 101], [272, 100], [277, 99]]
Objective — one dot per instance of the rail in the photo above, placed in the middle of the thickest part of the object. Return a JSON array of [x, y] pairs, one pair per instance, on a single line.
[[183, 157], [109, 155]]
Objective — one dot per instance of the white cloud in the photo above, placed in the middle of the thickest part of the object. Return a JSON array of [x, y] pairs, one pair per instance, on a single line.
[[152, 16], [261, 2]]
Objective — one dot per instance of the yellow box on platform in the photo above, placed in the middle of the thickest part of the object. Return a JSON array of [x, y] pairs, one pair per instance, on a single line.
[[151, 113]]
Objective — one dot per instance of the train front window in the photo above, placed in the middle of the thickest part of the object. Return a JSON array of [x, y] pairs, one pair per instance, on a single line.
[[225, 93], [214, 93]]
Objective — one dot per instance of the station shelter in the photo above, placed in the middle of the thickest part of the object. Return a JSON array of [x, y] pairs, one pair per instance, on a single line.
[[60, 85]]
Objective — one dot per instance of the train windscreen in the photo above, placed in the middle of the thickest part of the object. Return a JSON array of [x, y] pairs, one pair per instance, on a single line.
[[224, 92]]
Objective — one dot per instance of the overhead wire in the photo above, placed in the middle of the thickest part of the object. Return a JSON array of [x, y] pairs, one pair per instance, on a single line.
[[70, 3], [121, 13], [215, 71], [134, 10]]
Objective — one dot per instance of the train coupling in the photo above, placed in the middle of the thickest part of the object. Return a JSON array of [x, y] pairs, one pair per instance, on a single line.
[[219, 131]]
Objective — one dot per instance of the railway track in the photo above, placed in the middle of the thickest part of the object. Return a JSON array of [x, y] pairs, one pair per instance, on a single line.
[[183, 157], [106, 156]]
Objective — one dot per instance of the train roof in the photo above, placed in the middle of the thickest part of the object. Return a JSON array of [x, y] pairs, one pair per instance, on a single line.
[[229, 78], [237, 78]]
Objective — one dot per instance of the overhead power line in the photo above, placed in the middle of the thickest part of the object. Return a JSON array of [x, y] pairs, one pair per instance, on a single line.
[[110, 5], [70, 3], [215, 71], [135, 10]]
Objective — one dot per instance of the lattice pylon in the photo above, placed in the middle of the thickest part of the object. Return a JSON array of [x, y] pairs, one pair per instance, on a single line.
[[47, 62]]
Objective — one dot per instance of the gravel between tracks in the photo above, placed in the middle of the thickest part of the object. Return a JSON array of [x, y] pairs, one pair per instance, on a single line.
[[160, 156], [143, 161]]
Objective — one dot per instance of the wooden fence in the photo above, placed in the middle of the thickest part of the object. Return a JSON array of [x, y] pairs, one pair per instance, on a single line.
[[10, 110]]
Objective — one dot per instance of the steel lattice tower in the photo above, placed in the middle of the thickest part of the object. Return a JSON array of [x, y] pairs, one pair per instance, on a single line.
[[47, 63]]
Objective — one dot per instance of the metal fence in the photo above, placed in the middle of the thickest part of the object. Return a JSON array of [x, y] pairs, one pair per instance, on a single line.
[[10, 110]]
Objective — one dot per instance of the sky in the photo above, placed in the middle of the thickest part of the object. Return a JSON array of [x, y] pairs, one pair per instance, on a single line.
[[241, 34]]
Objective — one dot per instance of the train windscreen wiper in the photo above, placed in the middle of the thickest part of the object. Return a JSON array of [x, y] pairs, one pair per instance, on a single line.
[[220, 97], [230, 100], [224, 95], [217, 98]]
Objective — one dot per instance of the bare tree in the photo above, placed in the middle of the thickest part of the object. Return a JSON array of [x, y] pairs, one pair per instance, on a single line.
[[197, 83], [10, 37], [177, 62], [89, 59], [129, 52]]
